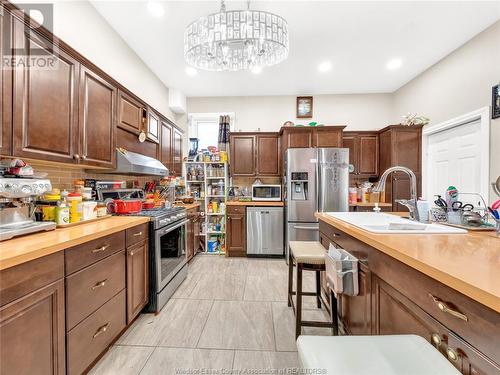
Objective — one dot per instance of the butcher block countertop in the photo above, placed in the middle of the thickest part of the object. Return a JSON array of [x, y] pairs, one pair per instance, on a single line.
[[468, 263], [23, 249], [256, 203], [187, 206]]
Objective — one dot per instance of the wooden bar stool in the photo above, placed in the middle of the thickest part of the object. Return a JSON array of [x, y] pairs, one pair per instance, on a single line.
[[307, 256]]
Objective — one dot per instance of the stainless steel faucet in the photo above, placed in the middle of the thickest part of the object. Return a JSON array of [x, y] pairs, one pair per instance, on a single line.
[[410, 203]]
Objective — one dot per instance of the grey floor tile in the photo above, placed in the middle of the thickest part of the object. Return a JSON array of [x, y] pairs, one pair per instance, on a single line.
[[220, 286], [266, 288], [239, 325], [170, 361], [179, 324], [270, 362], [123, 360]]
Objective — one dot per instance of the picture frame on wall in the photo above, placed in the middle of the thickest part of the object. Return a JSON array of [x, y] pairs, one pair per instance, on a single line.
[[304, 106], [495, 102]]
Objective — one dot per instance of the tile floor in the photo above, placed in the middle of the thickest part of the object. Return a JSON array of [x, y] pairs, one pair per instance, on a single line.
[[229, 314]]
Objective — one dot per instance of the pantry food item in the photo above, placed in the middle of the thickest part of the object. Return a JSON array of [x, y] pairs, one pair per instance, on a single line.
[[75, 207], [48, 213], [62, 214]]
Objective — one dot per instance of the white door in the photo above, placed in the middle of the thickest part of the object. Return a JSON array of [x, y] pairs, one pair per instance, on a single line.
[[454, 158]]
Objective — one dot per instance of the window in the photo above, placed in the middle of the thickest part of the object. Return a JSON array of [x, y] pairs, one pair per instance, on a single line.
[[205, 127]]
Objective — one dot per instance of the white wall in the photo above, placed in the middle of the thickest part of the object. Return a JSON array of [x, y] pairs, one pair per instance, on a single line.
[[458, 84], [358, 112], [79, 25]]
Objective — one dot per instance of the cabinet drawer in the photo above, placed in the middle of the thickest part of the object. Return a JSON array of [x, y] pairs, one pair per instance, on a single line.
[[81, 256], [91, 287], [24, 278], [136, 234], [91, 337], [479, 325], [239, 210]]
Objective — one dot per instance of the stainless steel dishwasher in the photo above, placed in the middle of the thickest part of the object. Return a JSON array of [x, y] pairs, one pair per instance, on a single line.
[[265, 231]]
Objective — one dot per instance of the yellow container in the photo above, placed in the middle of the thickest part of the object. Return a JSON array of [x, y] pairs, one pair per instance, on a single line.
[[214, 207], [75, 207], [48, 213]]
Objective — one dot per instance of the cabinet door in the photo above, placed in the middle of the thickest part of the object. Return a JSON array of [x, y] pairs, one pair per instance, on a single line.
[[131, 113], [190, 235], [368, 155], [137, 279], [243, 155], [268, 155], [5, 86], [153, 131], [300, 138], [45, 104], [177, 153], [97, 128], [236, 235], [407, 146], [400, 190], [32, 333], [350, 142], [166, 144], [325, 137]]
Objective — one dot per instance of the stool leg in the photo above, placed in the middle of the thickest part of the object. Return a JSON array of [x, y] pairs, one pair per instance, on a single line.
[[290, 278], [333, 314], [298, 307], [318, 289]]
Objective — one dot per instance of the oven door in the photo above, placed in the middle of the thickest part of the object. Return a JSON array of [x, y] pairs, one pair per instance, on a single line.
[[170, 252]]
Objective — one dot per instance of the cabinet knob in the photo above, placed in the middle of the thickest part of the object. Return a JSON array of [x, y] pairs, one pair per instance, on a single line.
[[76, 156], [84, 157], [452, 355], [436, 339], [131, 253]]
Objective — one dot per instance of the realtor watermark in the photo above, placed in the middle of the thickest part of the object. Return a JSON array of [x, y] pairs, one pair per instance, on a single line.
[[31, 47], [251, 371]]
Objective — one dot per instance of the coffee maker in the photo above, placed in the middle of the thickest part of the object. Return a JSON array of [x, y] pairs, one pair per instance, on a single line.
[[17, 206]]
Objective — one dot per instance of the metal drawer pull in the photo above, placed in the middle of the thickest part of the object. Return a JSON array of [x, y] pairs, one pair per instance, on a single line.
[[446, 309], [138, 234], [99, 284], [100, 330], [436, 339], [100, 249], [451, 354]]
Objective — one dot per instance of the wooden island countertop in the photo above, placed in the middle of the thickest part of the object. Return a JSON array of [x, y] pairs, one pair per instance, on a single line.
[[468, 263], [23, 249], [256, 203]]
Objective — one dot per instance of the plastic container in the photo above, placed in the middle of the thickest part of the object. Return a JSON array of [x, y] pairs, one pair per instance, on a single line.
[[89, 210], [62, 214], [353, 195], [75, 207], [342, 271], [49, 213]]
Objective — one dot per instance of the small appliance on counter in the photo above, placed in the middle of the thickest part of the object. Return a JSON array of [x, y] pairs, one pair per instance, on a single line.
[[262, 192], [17, 206]]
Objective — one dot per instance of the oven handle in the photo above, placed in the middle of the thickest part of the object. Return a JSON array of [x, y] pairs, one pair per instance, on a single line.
[[169, 229]]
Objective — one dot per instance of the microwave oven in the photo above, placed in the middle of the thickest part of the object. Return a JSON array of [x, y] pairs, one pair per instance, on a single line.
[[266, 192]]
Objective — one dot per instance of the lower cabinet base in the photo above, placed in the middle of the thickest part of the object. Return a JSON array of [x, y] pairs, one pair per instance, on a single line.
[[94, 334]]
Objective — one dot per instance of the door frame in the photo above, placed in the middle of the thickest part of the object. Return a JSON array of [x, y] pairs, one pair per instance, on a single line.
[[483, 115]]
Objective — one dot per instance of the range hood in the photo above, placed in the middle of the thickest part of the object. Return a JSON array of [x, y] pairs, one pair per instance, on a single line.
[[128, 162]]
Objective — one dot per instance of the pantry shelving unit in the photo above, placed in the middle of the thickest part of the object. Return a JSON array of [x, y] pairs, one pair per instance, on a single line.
[[215, 178]]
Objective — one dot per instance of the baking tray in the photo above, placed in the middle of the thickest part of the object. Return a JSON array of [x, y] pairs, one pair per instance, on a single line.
[[82, 222]]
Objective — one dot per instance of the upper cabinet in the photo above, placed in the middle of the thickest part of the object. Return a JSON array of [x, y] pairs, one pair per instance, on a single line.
[[176, 153], [153, 130], [96, 110], [327, 136], [306, 136], [268, 154], [363, 152], [166, 143], [242, 154], [45, 104], [131, 113]]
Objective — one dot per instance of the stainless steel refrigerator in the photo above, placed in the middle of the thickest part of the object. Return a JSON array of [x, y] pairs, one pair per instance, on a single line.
[[316, 179]]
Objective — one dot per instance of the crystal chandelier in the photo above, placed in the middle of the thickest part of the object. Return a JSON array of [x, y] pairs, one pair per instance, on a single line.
[[236, 40]]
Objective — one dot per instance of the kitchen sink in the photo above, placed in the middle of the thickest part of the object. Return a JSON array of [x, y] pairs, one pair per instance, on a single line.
[[386, 223]]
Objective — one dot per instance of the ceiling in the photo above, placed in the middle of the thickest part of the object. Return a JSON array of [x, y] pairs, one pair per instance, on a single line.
[[358, 38]]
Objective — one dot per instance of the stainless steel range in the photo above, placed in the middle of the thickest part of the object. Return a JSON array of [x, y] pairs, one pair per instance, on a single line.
[[17, 206], [167, 254]]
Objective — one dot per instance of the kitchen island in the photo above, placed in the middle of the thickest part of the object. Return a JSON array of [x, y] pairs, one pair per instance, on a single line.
[[445, 288]]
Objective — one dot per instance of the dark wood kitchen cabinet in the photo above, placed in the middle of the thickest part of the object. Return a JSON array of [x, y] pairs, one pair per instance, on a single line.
[[153, 128], [96, 120], [363, 152], [310, 136], [236, 231], [166, 143], [242, 154], [32, 317], [255, 154], [327, 136], [5, 86], [400, 145], [193, 232], [131, 113], [176, 153], [397, 299], [137, 279], [45, 101]]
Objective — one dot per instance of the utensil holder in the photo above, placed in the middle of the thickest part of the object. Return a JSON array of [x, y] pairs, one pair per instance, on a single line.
[[342, 275]]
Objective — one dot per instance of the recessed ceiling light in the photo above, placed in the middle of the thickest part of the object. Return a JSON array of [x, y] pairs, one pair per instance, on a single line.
[[325, 66], [256, 69], [156, 8], [394, 64], [190, 71]]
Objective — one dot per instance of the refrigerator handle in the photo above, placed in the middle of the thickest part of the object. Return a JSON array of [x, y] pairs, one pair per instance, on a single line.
[[319, 190]]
